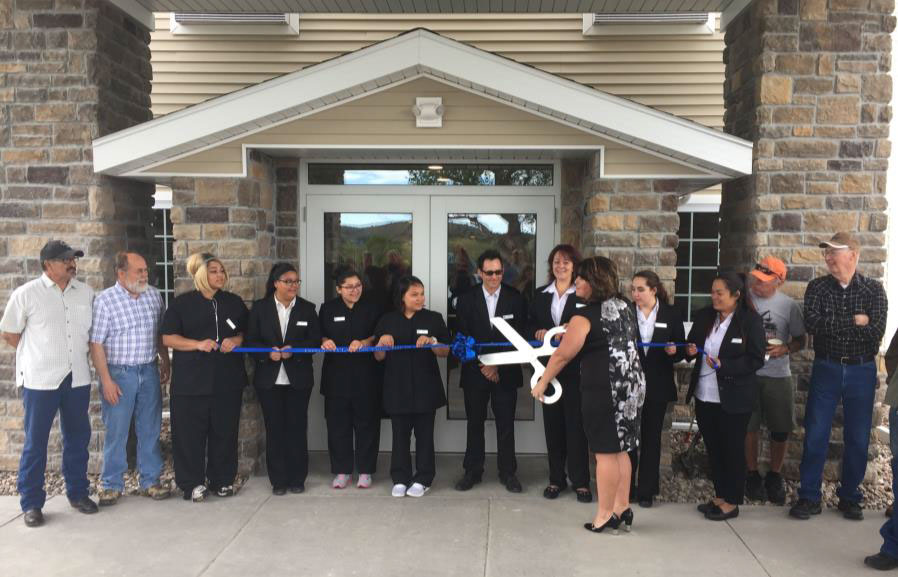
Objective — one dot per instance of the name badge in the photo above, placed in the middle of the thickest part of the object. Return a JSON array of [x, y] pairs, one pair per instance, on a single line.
[[302, 323], [737, 341], [422, 331], [506, 317], [580, 305], [661, 325], [339, 319], [231, 324]]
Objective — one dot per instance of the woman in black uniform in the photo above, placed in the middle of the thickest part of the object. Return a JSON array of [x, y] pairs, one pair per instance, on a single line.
[[552, 306], [284, 380], [413, 386], [611, 382], [349, 383], [661, 323], [203, 326]]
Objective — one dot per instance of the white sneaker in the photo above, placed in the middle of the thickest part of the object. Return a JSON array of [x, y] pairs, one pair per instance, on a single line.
[[364, 481], [399, 490], [417, 490], [341, 480], [198, 495]]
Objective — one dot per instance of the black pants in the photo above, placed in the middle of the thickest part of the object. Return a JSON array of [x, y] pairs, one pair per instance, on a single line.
[[724, 436], [425, 458], [503, 400], [646, 459], [204, 438], [359, 415], [565, 439], [286, 410]]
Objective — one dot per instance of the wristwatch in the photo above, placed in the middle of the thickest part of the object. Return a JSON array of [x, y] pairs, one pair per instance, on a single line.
[[433, 340]]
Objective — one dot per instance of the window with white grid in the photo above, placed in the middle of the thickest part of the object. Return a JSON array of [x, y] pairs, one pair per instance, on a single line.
[[698, 256]]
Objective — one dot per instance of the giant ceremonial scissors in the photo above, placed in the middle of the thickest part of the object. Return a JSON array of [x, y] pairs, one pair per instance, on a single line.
[[525, 354]]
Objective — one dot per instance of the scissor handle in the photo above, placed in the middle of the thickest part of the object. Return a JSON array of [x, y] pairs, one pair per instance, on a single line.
[[550, 334], [549, 399]]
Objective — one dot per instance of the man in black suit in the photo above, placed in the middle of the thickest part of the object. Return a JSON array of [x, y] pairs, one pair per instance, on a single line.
[[484, 385]]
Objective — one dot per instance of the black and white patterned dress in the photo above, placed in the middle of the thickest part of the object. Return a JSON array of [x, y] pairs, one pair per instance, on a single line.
[[611, 377]]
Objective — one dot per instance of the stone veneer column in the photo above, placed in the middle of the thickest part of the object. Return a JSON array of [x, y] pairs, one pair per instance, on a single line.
[[70, 71], [808, 82]]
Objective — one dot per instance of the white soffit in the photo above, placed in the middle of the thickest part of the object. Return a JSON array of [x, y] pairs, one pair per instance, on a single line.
[[410, 55]]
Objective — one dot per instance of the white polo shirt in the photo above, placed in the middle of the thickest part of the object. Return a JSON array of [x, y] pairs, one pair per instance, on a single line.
[[55, 326]]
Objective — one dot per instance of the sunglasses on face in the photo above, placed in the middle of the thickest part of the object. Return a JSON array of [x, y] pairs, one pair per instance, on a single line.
[[764, 270], [492, 272]]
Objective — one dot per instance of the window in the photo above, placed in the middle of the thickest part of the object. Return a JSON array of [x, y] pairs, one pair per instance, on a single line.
[[698, 255], [164, 267], [432, 174]]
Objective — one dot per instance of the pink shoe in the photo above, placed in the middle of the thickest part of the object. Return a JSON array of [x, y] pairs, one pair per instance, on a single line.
[[364, 481], [341, 480]]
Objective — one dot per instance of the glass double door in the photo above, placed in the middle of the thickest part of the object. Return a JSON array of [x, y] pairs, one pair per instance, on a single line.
[[437, 239]]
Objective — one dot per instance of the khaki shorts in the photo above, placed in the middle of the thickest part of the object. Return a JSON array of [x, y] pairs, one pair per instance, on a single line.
[[775, 405]]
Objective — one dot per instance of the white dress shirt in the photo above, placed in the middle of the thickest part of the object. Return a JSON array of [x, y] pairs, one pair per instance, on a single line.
[[647, 325], [284, 318], [558, 302], [55, 326], [491, 300], [707, 389]]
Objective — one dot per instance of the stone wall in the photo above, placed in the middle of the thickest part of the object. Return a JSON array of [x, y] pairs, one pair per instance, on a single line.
[[70, 71]]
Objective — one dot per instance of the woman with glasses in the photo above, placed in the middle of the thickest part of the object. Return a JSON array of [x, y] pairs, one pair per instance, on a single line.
[[553, 305], [282, 320], [203, 326], [413, 386], [350, 382]]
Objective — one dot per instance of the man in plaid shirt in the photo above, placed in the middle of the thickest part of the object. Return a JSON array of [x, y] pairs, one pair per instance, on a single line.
[[846, 314], [124, 345]]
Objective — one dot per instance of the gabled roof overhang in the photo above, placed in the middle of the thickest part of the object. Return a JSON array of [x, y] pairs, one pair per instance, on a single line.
[[420, 53]]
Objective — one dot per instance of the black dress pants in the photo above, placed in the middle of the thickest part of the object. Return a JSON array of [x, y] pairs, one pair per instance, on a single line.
[[286, 410], [646, 459], [204, 438], [357, 416], [503, 400], [724, 436], [565, 439], [425, 458]]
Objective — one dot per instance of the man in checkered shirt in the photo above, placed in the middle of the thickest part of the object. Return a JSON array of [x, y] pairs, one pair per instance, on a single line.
[[124, 345], [846, 314]]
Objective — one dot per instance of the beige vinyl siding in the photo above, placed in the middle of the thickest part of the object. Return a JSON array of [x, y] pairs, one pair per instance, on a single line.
[[682, 75], [385, 119]]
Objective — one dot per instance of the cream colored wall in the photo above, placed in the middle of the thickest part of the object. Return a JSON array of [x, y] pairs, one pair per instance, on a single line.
[[682, 75], [385, 119]]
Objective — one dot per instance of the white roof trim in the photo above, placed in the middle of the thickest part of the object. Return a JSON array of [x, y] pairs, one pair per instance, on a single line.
[[409, 55]]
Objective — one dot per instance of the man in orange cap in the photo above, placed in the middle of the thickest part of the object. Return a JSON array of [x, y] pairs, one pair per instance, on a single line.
[[784, 328]]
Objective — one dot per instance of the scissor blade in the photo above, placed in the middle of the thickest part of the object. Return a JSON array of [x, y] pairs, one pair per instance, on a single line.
[[507, 358], [512, 335]]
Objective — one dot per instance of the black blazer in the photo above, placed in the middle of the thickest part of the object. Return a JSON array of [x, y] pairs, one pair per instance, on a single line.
[[657, 365], [265, 331], [474, 321], [540, 317], [343, 375], [736, 379]]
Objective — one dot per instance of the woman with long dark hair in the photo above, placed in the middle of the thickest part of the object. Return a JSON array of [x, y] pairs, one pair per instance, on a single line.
[[350, 383], [553, 305], [413, 386], [723, 383], [661, 323], [282, 320], [604, 333]]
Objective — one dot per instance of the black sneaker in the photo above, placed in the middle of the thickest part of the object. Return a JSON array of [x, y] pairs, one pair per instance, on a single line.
[[775, 487], [851, 510], [881, 561], [804, 508], [754, 487]]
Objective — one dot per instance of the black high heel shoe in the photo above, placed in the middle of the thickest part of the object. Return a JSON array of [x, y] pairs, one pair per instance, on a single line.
[[627, 519], [612, 524]]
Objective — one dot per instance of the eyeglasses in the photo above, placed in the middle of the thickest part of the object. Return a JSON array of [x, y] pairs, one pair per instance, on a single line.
[[290, 282], [832, 251], [492, 272], [63, 260], [351, 287]]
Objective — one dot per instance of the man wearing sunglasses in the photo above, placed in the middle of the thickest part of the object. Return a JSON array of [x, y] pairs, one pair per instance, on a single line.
[[484, 385], [846, 314], [784, 328]]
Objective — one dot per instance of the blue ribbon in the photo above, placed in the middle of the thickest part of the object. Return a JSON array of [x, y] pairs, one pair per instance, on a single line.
[[700, 350]]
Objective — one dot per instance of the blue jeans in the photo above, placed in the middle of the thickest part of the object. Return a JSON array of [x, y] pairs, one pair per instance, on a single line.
[[141, 398], [40, 410], [889, 530], [854, 385]]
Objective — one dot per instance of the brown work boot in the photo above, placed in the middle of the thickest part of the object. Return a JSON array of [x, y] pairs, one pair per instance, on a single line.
[[157, 492], [108, 497]]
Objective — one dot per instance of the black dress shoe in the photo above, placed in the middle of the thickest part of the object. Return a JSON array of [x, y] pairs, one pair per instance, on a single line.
[[552, 491], [646, 502], [703, 508], [584, 496], [84, 505], [512, 484], [279, 491], [33, 518], [717, 514], [881, 561], [611, 524], [467, 481], [297, 489]]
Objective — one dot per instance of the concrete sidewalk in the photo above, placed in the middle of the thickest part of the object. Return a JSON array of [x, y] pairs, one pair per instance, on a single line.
[[486, 531]]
